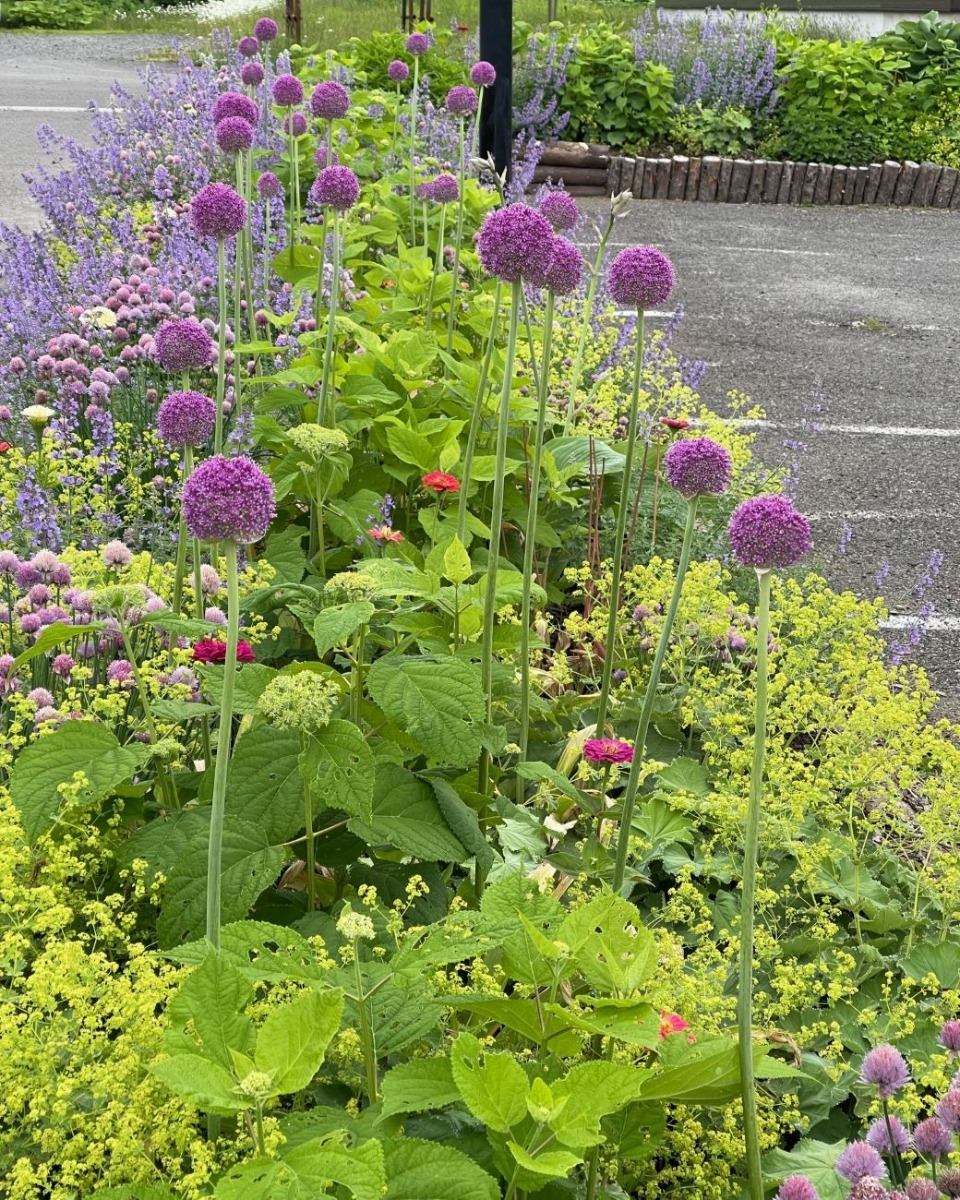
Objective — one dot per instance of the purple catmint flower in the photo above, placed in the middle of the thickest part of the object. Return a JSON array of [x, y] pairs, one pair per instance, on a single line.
[[417, 43], [698, 467], [248, 47], [330, 101], [640, 277], [461, 101], [233, 135], [116, 554], [266, 30], [287, 91], [445, 189], [950, 1036], [858, 1161], [561, 210], [797, 1187], [252, 74], [514, 244], [183, 345], [335, 187], [565, 268], [234, 104], [932, 1138], [217, 211], [186, 419], [483, 74], [295, 123], [269, 186], [228, 500], [878, 1135], [398, 71], [948, 1110], [765, 532]]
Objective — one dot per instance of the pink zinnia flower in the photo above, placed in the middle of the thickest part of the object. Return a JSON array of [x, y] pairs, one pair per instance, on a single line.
[[607, 750], [439, 481], [383, 533], [212, 650]]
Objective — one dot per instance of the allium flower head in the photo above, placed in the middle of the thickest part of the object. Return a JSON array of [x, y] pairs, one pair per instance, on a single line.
[[461, 101], [269, 186], [330, 100], [266, 30], [234, 104], [884, 1066], [317, 441], [183, 345], [186, 419], [948, 1110], [116, 554], [440, 481], [925, 1189], [417, 43], [252, 74], [228, 500], [321, 156], [445, 189], [248, 46], [305, 701], [398, 71], [295, 123], [878, 1135], [336, 187], [287, 91], [565, 267], [233, 135], [561, 210], [949, 1181], [868, 1188], [212, 650], [698, 467], [217, 211], [424, 191], [209, 580], [640, 277], [607, 750], [858, 1161], [514, 244], [483, 74], [767, 531], [797, 1187], [950, 1036], [932, 1138]]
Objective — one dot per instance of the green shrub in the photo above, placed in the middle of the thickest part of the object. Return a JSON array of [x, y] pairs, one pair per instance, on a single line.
[[48, 14], [702, 130]]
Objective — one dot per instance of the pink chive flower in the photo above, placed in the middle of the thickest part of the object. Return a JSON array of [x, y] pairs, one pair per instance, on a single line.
[[948, 1110], [607, 750], [932, 1138], [878, 1135], [116, 554], [950, 1036], [797, 1187], [858, 1161], [886, 1069]]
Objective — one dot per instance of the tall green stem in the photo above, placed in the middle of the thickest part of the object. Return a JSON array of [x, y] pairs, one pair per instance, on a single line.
[[326, 408], [195, 545], [455, 288], [294, 184], [413, 147], [649, 699], [221, 343], [476, 415], [222, 765], [437, 264], [308, 830], [585, 326], [247, 194], [619, 537], [366, 1033], [167, 787], [181, 567]]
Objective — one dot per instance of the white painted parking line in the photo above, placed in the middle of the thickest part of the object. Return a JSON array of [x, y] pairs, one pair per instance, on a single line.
[[43, 108], [877, 515], [929, 624], [930, 431]]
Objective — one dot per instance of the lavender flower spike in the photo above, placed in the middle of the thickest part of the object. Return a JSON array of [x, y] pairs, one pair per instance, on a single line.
[[884, 1067], [859, 1161], [640, 277], [765, 532], [698, 467], [228, 500]]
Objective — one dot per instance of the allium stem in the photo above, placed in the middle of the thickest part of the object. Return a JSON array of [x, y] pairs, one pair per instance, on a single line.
[[396, 126], [167, 787], [899, 1175], [748, 1091], [629, 800], [237, 327], [222, 764], [326, 406], [437, 263], [266, 247], [534, 369], [311, 862], [221, 343], [475, 416], [585, 326], [458, 243], [195, 546], [181, 565], [293, 186], [413, 146], [475, 134], [619, 535]]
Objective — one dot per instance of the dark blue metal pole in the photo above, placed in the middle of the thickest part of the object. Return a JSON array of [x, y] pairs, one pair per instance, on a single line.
[[496, 47]]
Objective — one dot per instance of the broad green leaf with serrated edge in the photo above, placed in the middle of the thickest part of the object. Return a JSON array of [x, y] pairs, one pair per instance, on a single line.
[[418, 1086], [341, 767], [259, 951], [284, 553], [462, 820], [524, 1016], [613, 950], [294, 1038], [406, 815], [504, 900], [456, 561], [555, 1163], [418, 1170], [200, 1081], [685, 775], [593, 1090], [265, 788], [339, 622], [410, 447], [543, 773], [636, 1024], [360, 1169], [814, 1160], [252, 679], [213, 997], [708, 1073], [261, 1179], [493, 1086], [439, 703]]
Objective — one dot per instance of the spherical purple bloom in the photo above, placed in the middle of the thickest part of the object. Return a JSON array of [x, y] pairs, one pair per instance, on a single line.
[[483, 74], [252, 74], [698, 467], [248, 47], [923, 1189], [932, 1138], [878, 1135], [329, 101], [767, 531], [336, 187], [797, 1187], [320, 156], [287, 91], [565, 268], [950, 1036], [514, 244], [186, 419], [295, 123], [417, 43], [424, 191], [228, 500], [398, 71], [266, 30], [233, 135], [445, 189], [949, 1182], [948, 1110], [462, 101], [234, 104], [269, 186], [640, 277], [183, 345], [858, 1161], [217, 211], [560, 209]]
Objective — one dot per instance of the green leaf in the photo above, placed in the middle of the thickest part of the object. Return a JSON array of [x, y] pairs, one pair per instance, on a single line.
[[418, 1170], [294, 1038], [303, 268], [493, 1086], [341, 766], [214, 997], [406, 815], [55, 759], [543, 773], [456, 562], [54, 635], [339, 622], [574, 453], [505, 900], [320, 1162], [685, 775], [260, 1179], [463, 821], [524, 1016], [200, 1081], [613, 950], [555, 1163], [439, 703], [941, 959], [260, 951], [252, 679], [284, 553], [130, 1191], [418, 1086], [180, 711], [592, 1091], [265, 788], [708, 1073], [410, 447], [815, 1160]]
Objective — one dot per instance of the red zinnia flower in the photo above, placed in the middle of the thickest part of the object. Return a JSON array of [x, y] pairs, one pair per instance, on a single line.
[[675, 423], [383, 533], [438, 482], [607, 750], [212, 650]]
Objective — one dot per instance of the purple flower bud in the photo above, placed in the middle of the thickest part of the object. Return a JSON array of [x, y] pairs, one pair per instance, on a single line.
[[186, 419], [417, 43], [269, 186], [398, 71], [514, 244], [248, 47], [950, 1036], [561, 210], [183, 345], [932, 1138], [698, 467], [948, 1110], [228, 500], [878, 1135], [266, 30], [252, 74], [234, 104], [640, 277], [796, 1187], [295, 123], [858, 1161], [330, 101], [336, 187], [565, 268], [445, 189], [233, 135], [461, 101], [287, 91], [62, 665], [765, 532], [483, 74], [217, 211]]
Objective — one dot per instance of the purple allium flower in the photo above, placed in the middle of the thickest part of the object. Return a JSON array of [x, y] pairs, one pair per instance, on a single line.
[[483, 74], [233, 134], [228, 500], [640, 277], [252, 74], [8, 562], [217, 211], [47, 713], [858, 1161], [330, 101], [40, 697], [424, 191], [186, 419], [209, 580], [120, 671], [932, 1138], [269, 186], [462, 101], [698, 467], [183, 345], [445, 189], [948, 1110], [336, 187], [295, 123], [62, 665], [869, 1188], [797, 1187], [234, 104], [878, 1135], [767, 531], [248, 46], [417, 43], [320, 156], [923, 1189], [560, 209], [287, 91], [398, 71], [565, 268], [950, 1036], [514, 243], [949, 1182], [266, 30], [116, 554]]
